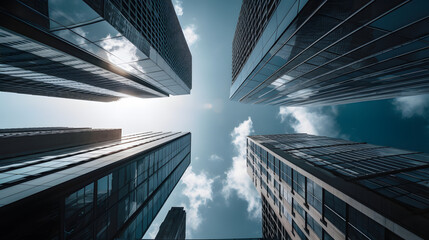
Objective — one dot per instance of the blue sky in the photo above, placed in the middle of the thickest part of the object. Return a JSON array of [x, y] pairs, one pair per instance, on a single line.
[[217, 193]]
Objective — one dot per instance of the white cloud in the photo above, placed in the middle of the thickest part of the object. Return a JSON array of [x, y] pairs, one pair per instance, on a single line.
[[208, 106], [215, 158], [154, 230], [237, 179], [316, 121], [190, 34], [216, 105], [197, 158], [198, 189], [178, 7], [412, 106]]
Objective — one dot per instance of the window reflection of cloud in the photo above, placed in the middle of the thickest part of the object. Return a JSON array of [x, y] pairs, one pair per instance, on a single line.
[[302, 94], [279, 84], [125, 52], [78, 39], [121, 48]]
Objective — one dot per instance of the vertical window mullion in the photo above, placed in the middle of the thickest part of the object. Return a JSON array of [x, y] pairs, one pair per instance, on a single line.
[[292, 180], [323, 208], [305, 194]]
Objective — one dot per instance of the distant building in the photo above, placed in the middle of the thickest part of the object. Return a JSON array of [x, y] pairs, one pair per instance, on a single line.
[[174, 225], [299, 52], [98, 190], [99, 50], [325, 188]]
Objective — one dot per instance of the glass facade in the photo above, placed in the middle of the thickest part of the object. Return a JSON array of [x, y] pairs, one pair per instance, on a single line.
[[80, 49], [331, 52], [255, 14], [118, 187], [307, 194], [271, 227], [157, 22]]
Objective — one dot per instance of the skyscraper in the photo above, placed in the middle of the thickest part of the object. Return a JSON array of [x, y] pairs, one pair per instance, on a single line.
[[98, 50], [324, 188], [105, 190], [303, 52], [174, 225]]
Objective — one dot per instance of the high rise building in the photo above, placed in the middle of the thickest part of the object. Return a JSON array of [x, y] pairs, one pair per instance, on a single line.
[[103, 190], [174, 225], [325, 188], [98, 50], [301, 52]]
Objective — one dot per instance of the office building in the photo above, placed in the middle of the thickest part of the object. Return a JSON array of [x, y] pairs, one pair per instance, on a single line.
[[325, 188], [174, 225], [99, 50], [103, 190], [300, 52]]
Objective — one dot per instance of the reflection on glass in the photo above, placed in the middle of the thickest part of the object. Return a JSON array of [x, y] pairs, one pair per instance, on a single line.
[[76, 36], [70, 12], [98, 31], [121, 48]]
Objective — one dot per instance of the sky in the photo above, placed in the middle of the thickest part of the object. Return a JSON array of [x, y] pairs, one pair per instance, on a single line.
[[218, 195]]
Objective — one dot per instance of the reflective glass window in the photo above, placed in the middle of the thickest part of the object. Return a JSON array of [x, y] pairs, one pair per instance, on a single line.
[[286, 173], [70, 12], [299, 183], [298, 209], [335, 211], [71, 37], [314, 225], [362, 227], [298, 231], [78, 211], [314, 195]]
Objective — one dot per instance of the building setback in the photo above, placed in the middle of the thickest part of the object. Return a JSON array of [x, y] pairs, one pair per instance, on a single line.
[[99, 50], [174, 225], [325, 188], [301, 52], [105, 190], [24, 141]]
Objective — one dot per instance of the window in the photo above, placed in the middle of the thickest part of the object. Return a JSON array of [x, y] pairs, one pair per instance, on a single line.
[[314, 225], [362, 227], [287, 195], [286, 173], [298, 209], [299, 183], [271, 162], [78, 211], [314, 195], [335, 211], [326, 236], [298, 231], [277, 167], [104, 190], [102, 225]]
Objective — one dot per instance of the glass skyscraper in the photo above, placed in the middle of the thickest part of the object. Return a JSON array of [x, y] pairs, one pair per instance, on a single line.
[[98, 50], [302, 52], [174, 225], [104, 190], [325, 188]]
